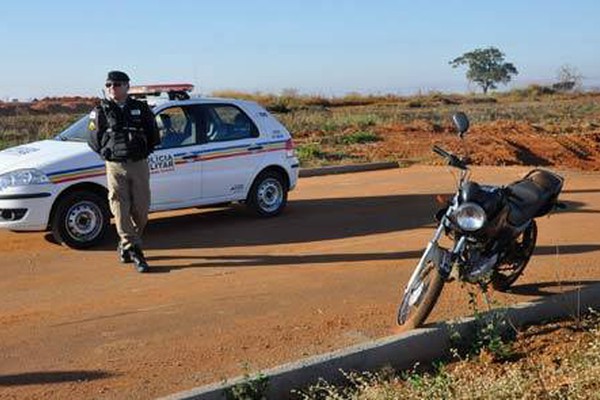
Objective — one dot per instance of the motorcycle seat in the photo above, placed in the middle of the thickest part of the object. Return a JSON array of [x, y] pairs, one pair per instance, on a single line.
[[532, 196]]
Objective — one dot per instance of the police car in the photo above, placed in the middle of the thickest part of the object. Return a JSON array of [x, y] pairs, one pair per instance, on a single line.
[[212, 151]]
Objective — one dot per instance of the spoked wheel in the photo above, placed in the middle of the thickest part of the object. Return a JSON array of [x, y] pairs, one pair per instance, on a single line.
[[507, 273], [421, 296]]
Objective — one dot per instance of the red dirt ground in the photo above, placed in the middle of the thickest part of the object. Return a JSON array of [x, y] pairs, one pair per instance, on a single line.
[[497, 143], [228, 289]]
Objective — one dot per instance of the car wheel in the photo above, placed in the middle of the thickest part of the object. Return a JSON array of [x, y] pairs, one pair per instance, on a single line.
[[268, 194], [80, 220]]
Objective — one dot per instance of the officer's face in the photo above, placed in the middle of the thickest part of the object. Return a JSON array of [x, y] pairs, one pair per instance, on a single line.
[[116, 90]]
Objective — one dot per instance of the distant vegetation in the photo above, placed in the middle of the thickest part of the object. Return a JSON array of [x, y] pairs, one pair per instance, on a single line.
[[49, 105], [25, 128], [568, 79], [510, 126], [486, 67]]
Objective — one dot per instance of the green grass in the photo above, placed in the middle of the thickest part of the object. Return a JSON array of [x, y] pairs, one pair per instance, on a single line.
[[308, 151], [314, 155], [359, 137]]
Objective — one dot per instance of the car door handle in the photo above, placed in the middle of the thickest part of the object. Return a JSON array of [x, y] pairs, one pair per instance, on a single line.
[[190, 157], [253, 148]]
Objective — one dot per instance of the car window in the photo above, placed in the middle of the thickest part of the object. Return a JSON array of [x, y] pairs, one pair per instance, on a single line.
[[177, 127], [222, 123], [77, 132]]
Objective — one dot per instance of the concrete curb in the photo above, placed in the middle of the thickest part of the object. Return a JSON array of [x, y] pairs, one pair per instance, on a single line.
[[344, 169], [399, 351]]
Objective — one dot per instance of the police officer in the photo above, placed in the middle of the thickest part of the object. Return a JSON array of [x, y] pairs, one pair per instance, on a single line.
[[123, 132]]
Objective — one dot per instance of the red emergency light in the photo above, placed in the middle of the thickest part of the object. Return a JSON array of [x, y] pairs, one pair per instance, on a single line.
[[175, 91]]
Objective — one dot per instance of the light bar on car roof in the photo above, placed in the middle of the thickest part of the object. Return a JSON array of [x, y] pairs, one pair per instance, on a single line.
[[162, 88], [175, 91]]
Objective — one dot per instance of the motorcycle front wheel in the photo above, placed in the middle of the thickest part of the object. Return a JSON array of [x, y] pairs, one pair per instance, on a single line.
[[421, 296]]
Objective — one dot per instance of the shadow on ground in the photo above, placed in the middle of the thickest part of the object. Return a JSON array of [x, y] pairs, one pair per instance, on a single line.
[[302, 221], [266, 260], [548, 288], [35, 378]]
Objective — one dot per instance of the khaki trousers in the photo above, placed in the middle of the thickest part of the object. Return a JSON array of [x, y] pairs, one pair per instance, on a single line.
[[129, 199]]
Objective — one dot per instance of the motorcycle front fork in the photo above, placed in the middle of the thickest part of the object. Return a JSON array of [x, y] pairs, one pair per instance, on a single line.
[[445, 267], [443, 259]]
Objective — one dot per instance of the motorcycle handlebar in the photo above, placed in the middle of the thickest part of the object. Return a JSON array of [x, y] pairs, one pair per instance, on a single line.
[[441, 152], [452, 159]]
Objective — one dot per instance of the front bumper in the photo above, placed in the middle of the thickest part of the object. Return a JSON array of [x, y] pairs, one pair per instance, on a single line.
[[27, 209]]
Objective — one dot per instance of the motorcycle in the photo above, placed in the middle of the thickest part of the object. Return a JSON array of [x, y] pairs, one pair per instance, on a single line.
[[492, 230]]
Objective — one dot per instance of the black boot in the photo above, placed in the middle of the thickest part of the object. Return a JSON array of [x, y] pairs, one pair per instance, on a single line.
[[124, 255], [137, 256]]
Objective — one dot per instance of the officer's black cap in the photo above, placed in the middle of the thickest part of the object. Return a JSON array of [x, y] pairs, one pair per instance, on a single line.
[[117, 76]]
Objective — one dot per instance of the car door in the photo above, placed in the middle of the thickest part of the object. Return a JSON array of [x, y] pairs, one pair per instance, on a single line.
[[174, 166], [231, 152]]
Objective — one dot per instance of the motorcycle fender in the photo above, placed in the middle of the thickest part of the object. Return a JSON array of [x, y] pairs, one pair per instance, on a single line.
[[440, 258]]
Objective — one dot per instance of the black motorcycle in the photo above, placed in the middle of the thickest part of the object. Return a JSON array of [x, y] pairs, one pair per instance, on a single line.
[[492, 229]]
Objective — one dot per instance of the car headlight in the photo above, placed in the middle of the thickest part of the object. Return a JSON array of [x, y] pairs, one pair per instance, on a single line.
[[470, 217], [22, 177]]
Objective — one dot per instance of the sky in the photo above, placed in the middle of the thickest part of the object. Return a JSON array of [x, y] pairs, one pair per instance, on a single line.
[[325, 47]]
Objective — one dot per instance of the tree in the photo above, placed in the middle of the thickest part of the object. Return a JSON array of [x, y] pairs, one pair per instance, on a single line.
[[486, 67], [568, 78]]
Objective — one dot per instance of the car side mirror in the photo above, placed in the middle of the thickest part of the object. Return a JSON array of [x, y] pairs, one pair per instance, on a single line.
[[461, 122]]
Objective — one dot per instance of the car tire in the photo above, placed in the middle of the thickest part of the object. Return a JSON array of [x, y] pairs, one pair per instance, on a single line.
[[268, 194], [80, 220]]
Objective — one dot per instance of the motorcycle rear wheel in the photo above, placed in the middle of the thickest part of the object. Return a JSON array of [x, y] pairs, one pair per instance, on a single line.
[[507, 273], [419, 299]]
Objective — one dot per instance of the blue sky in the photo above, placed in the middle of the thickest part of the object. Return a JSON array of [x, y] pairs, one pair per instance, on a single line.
[[319, 47]]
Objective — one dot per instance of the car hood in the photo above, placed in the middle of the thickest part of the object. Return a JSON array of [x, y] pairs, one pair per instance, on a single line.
[[47, 156]]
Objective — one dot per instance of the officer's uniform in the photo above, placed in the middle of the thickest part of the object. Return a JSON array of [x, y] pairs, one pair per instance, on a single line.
[[124, 135]]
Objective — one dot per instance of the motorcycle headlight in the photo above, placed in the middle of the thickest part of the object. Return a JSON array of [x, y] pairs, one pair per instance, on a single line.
[[470, 217], [22, 177]]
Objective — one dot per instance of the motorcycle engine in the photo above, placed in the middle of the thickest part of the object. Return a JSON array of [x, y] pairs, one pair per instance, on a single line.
[[477, 267]]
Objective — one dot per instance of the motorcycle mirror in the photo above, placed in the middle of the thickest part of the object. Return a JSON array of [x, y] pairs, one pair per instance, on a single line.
[[461, 122]]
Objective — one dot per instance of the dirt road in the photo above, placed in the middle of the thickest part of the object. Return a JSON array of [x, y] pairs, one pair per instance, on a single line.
[[230, 292]]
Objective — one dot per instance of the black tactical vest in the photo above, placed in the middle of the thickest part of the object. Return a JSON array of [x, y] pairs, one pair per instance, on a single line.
[[124, 137]]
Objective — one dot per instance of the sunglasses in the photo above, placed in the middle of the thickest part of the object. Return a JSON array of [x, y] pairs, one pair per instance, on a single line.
[[113, 84]]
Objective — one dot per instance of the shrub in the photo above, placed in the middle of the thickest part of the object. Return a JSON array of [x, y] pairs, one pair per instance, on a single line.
[[360, 138], [308, 151]]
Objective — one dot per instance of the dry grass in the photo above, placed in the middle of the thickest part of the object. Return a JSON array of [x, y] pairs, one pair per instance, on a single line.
[[405, 132], [19, 129], [357, 128], [557, 361]]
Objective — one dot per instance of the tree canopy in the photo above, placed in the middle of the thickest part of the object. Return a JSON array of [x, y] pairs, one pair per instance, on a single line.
[[486, 67]]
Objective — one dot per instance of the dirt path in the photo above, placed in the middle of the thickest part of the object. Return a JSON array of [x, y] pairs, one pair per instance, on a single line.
[[230, 291]]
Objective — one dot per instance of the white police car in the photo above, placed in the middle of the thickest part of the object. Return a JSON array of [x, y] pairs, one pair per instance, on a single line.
[[213, 151]]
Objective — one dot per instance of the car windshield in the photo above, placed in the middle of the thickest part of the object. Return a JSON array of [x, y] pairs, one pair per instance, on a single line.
[[77, 132]]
